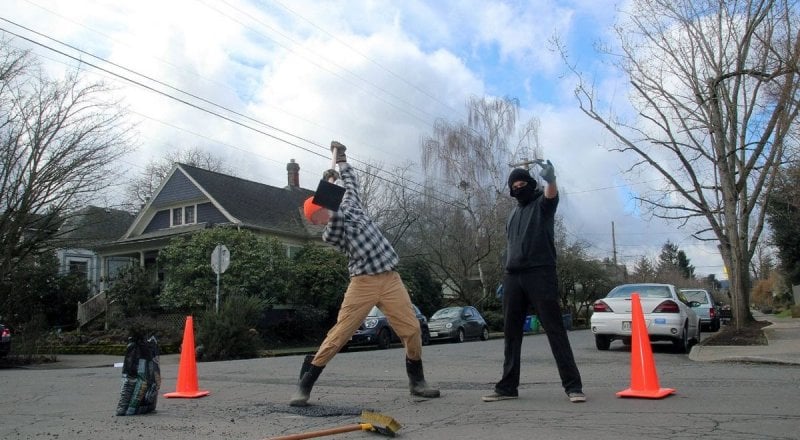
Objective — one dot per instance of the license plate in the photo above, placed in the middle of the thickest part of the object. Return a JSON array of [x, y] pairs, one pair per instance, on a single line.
[[626, 325], [434, 334]]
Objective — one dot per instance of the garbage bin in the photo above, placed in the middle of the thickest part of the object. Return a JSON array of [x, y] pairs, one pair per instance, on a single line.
[[527, 326], [534, 324], [567, 317]]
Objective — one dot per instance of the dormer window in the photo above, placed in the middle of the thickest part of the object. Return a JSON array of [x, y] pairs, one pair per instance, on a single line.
[[184, 215]]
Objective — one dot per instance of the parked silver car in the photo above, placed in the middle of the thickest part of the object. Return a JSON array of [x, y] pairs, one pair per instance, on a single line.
[[707, 310], [668, 316], [458, 324]]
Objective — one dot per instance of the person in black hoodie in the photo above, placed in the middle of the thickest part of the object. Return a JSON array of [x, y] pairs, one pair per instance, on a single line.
[[531, 280]]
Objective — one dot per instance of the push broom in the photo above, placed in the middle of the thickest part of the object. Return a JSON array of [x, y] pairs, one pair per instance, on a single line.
[[370, 421]]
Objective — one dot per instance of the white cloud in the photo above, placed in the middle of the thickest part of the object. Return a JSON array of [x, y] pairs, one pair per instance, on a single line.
[[373, 75]]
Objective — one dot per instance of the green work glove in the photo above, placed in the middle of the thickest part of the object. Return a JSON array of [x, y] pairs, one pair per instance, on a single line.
[[548, 173]]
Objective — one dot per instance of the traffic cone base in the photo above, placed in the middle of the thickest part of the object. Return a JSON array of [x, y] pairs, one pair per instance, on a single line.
[[644, 378], [188, 394], [187, 370], [646, 394]]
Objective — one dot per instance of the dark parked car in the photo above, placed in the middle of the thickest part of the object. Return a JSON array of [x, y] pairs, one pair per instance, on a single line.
[[706, 310], [5, 340], [458, 324], [375, 330]]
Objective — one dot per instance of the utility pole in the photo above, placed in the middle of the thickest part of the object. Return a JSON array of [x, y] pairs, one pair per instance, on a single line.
[[614, 245]]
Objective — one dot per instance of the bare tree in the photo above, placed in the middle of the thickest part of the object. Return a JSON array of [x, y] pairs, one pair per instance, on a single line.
[[469, 163], [58, 138], [714, 85], [142, 188], [390, 200]]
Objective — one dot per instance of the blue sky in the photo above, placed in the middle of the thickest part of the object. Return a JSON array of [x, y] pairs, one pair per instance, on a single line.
[[372, 74]]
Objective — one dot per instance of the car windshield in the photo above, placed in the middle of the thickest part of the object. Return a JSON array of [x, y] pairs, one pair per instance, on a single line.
[[375, 313], [695, 295], [450, 312], [644, 291]]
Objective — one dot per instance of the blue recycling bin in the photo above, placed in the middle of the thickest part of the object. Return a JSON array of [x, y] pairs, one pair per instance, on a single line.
[[527, 327], [531, 324]]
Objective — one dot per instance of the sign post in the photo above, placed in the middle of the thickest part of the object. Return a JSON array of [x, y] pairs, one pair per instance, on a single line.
[[220, 260]]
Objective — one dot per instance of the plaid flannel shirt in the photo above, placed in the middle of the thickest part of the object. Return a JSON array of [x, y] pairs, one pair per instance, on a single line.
[[353, 232]]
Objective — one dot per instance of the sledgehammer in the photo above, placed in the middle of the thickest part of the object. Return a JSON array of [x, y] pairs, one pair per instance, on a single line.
[[370, 421]]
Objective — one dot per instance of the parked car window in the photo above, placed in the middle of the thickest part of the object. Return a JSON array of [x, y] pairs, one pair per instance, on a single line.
[[643, 291], [696, 295], [448, 312]]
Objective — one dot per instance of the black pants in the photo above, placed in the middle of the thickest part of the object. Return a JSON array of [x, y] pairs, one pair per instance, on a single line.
[[537, 288]]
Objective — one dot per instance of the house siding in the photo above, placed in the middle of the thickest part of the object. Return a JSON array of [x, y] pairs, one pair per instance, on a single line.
[[159, 221], [178, 190], [208, 213]]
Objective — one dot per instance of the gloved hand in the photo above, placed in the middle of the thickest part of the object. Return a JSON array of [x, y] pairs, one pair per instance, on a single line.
[[339, 149], [548, 173], [331, 174]]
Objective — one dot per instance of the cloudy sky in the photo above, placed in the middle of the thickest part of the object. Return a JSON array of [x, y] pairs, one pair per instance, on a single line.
[[375, 75]]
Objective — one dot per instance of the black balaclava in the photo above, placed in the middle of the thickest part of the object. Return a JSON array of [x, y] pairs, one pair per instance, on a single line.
[[528, 192]]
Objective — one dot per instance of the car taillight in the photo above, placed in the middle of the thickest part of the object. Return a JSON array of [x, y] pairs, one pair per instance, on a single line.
[[712, 313], [6, 332], [667, 307], [600, 306]]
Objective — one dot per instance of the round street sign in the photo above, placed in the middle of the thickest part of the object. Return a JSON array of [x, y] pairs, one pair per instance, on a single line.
[[220, 259]]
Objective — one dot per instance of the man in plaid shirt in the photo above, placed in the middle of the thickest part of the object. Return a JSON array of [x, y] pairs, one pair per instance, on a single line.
[[372, 263]]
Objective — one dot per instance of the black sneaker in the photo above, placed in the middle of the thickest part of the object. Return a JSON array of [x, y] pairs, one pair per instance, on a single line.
[[576, 397], [495, 397]]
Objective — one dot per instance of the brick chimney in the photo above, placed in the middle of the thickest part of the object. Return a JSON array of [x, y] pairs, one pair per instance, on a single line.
[[293, 172]]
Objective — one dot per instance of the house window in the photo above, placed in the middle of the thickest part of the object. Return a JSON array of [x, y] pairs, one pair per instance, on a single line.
[[291, 251], [80, 268], [177, 216], [188, 214], [185, 215]]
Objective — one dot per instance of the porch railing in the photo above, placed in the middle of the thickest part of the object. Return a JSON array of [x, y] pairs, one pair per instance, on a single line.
[[92, 308]]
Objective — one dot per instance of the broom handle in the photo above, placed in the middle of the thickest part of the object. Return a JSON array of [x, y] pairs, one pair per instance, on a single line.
[[324, 432], [333, 159]]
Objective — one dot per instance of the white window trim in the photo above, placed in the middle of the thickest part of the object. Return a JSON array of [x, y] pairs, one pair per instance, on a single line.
[[183, 215]]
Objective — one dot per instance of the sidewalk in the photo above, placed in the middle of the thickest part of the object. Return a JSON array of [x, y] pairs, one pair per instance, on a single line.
[[783, 347]]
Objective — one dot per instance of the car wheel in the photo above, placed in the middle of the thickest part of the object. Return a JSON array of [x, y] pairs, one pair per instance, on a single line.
[[426, 337], [602, 342], [485, 334], [714, 326], [460, 336], [681, 344], [384, 339]]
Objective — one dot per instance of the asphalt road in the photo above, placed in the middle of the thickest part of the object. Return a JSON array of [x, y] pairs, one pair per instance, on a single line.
[[248, 399]]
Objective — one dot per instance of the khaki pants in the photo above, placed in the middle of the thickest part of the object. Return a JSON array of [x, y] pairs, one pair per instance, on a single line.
[[385, 290]]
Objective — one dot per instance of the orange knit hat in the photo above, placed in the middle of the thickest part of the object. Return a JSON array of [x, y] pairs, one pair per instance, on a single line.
[[310, 208]]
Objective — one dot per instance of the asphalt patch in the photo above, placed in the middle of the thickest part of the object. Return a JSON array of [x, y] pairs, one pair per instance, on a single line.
[[314, 410]]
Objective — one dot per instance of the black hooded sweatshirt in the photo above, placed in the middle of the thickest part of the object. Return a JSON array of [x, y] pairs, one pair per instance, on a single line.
[[531, 235]]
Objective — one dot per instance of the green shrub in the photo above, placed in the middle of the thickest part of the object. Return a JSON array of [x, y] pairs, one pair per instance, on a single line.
[[494, 319], [231, 333]]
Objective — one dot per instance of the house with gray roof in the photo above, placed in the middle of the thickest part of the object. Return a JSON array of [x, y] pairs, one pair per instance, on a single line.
[[81, 233], [191, 199]]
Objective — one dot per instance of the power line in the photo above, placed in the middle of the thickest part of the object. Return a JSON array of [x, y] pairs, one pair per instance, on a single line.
[[406, 180], [401, 78], [195, 106]]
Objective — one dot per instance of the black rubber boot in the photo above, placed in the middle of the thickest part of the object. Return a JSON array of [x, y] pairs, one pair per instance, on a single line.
[[308, 376], [416, 380]]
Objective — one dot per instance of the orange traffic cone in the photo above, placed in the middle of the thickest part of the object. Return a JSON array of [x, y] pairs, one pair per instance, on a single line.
[[187, 370], [644, 379]]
